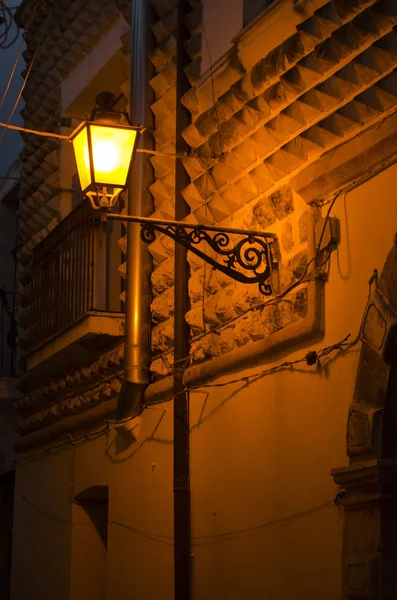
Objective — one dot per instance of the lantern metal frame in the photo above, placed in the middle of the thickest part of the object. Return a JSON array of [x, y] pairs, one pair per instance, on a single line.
[[95, 189]]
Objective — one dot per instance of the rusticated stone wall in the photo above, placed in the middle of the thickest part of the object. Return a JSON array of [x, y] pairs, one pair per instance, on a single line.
[[258, 119], [273, 107]]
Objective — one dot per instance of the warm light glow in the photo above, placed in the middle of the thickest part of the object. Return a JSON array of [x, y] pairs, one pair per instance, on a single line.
[[80, 147], [106, 157], [112, 150]]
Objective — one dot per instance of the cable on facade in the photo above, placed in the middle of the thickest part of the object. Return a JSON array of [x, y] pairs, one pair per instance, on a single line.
[[7, 125], [21, 46], [213, 88], [64, 444], [12, 72], [203, 540]]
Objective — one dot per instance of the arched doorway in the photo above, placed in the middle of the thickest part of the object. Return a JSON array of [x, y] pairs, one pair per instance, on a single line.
[[370, 478]]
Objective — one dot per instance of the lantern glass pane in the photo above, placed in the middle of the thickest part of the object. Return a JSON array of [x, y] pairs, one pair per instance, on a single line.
[[112, 151], [80, 147]]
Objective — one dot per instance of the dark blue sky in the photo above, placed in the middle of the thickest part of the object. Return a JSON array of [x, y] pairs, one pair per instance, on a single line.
[[12, 141]]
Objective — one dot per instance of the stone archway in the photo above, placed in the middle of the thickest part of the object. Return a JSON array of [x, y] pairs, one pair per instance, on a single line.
[[370, 479]]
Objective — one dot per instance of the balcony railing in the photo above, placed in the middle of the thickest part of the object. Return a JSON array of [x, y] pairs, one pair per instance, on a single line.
[[73, 274], [7, 334]]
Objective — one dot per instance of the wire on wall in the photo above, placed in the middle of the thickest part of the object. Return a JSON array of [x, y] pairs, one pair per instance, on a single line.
[[7, 125], [202, 540]]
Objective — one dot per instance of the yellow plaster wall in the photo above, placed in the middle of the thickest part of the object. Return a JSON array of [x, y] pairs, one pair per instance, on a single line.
[[261, 457], [140, 497]]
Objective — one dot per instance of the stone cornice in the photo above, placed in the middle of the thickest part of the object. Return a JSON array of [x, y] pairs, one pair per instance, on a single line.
[[357, 159], [74, 413], [80, 382]]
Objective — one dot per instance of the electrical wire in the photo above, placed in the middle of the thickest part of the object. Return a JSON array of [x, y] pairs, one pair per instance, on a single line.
[[12, 72], [7, 125], [213, 88], [64, 444], [34, 131], [203, 540]]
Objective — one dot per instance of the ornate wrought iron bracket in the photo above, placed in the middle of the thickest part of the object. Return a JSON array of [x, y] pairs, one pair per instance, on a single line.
[[250, 259]]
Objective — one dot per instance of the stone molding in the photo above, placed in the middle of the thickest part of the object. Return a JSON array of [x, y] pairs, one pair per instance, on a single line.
[[361, 156], [310, 328]]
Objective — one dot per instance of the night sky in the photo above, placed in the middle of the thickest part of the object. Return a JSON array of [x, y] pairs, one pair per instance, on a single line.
[[11, 144]]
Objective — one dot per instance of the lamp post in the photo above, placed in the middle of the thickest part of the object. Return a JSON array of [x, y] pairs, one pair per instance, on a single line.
[[105, 148]]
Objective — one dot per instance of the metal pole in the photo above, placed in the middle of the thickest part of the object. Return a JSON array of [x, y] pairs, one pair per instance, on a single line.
[[182, 527], [149, 221], [137, 305]]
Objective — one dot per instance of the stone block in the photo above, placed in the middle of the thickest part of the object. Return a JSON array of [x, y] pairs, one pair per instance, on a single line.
[[159, 368], [361, 572], [167, 209], [218, 207], [275, 207], [194, 166], [194, 261], [287, 237], [163, 276], [227, 340], [299, 304], [191, 101], [203, 280], [162, 164], [223, 174], [163, 336], [231, 198], [196, 286], [192, 196], [193, 136], [193, 45], [223, 305], [292, 270], [241, 336], [204, 215], [263, 213], [162, 307], [161, 248], [245, 297], [205, 348], [363, 429], [195, 318], [303, 227], [193, 71], [210, 314], [372, 378]]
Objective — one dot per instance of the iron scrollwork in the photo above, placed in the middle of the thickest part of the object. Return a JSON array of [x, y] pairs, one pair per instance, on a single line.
[[252, 253]]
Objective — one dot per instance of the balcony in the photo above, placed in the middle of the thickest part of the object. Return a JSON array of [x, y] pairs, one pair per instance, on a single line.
[[75, 312], [7, 346]]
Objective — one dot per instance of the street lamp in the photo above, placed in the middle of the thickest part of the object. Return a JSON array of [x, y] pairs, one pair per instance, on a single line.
[[104, 149]]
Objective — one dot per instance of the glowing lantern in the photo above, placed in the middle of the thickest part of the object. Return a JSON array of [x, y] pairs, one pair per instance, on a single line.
[[104, 149]]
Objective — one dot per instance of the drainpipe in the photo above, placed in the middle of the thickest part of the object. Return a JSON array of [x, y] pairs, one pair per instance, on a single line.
[[182, 533], [137, 305]]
